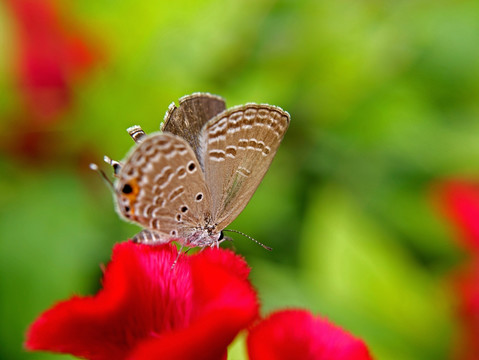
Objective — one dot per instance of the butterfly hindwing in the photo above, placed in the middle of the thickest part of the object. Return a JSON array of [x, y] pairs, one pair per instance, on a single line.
[[161, 186]]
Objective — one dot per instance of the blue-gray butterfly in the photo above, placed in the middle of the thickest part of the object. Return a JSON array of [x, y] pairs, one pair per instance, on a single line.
[[190, 181]]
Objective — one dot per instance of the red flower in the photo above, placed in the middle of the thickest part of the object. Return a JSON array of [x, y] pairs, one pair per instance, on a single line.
[[52, 53], [459, 201], [146, 310], [296, 334], [465, 282]]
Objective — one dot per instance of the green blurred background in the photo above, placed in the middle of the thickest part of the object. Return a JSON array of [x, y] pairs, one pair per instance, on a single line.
[[384, 101]]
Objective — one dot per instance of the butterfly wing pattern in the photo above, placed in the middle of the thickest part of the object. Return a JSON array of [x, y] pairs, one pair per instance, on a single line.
[[193, 179], [240, 145], [162, 188]]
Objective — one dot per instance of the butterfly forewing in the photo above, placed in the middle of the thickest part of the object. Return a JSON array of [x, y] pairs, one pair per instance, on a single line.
[[161, 187], [239, 145], [188, 119]]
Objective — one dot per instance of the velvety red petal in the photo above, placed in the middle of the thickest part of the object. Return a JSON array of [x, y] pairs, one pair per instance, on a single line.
[[296, 334], [141, 298], [459, 201], [228, 288], [146, 310], [228, 260], [223, 304]]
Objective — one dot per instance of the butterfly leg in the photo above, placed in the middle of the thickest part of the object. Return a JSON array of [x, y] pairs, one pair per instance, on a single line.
[[229, 239], [178, 256], [225, 238]]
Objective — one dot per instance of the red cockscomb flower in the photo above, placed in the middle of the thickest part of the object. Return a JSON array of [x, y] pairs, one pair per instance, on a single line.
[[296, 334], [459, 201], [146, 310]]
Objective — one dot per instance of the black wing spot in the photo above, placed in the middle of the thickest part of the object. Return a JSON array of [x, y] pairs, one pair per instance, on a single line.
[[127, 189], [191, 166]]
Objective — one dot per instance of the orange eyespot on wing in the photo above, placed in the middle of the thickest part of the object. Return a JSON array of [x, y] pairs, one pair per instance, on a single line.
[[129, 193]]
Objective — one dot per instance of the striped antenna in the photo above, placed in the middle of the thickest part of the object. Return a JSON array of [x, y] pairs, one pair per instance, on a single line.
[[249, 237]]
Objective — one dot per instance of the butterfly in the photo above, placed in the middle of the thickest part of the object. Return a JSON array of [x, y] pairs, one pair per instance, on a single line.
[[192, 179]]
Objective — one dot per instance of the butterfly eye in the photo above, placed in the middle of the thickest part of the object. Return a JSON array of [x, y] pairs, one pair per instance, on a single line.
[[116, 167]]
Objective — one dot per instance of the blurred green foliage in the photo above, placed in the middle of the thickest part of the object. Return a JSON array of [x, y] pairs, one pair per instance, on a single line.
[[384, 100]]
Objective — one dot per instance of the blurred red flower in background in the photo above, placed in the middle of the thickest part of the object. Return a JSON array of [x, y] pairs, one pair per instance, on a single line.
[[296, 334], [52, 54], [147, 310], [465, 282], [458, 200]]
